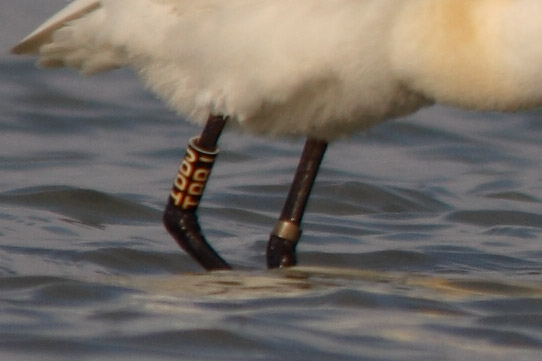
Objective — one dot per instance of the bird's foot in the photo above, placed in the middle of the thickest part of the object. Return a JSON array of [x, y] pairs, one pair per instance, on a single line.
[[282, 243], [280, 253]]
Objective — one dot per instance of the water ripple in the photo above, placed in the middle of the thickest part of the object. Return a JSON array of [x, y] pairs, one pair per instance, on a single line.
[[87, 206]]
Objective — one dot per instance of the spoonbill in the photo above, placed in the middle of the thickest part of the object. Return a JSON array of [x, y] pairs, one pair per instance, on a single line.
[[312, 68]]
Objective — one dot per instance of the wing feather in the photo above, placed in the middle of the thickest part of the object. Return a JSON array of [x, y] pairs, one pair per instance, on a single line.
[[42, 35]]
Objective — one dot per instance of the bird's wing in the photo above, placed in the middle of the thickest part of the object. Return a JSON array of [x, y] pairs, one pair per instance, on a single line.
[[42, 35]]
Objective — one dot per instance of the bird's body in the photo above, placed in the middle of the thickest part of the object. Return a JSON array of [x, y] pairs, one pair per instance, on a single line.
[[308, 67], [317, 68]]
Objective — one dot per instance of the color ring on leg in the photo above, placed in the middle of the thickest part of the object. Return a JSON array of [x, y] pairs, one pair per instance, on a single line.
[[287, 230], [192, 176]]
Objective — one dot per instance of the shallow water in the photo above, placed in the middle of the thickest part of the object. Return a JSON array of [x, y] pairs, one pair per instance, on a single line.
[[422, 240]]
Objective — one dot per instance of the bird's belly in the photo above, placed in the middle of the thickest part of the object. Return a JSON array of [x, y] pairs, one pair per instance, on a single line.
[[326, 107], [328, 114]]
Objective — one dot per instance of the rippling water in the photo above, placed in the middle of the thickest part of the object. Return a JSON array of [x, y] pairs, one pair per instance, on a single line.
[[422, 240]]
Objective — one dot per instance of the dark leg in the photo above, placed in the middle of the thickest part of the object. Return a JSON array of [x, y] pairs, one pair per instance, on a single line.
[[283, 239], [180, 216]]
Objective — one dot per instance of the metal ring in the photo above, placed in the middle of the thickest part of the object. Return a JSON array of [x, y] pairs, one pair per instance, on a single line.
[[287, 230], [193, 143]]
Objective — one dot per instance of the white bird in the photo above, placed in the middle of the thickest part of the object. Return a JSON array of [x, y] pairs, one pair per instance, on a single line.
[[316, 68]]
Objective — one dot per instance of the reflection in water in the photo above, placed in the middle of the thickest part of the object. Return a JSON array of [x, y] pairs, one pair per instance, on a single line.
[[299, 281]]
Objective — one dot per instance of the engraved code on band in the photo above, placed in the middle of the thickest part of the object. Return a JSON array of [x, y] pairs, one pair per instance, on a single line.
[[192, 176]]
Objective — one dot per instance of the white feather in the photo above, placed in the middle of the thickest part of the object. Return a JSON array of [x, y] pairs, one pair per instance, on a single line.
[[42, 34], [323, 68]]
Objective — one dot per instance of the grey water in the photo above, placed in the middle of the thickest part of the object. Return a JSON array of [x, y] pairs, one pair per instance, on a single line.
[[422, 241]]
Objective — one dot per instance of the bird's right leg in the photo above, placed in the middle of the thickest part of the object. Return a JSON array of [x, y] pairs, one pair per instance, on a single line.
[[180, 218]]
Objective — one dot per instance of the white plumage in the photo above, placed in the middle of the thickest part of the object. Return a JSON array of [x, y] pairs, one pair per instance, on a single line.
[[322, 68], [318, 68]]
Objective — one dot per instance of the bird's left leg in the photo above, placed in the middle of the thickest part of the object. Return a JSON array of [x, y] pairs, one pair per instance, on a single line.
[[180, 217], [283, 239]]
